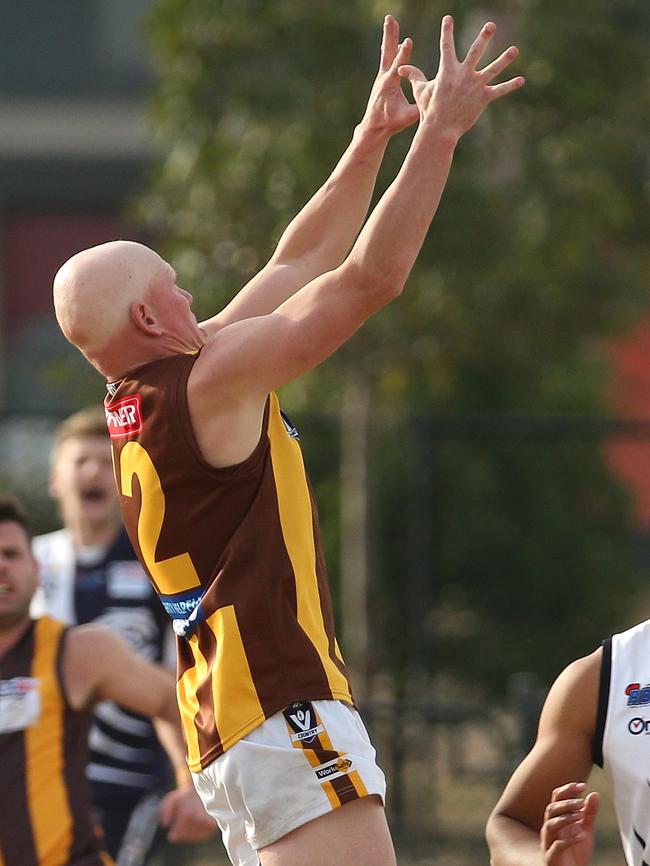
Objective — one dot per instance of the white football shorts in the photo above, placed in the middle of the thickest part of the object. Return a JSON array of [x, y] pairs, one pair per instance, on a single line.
[[304, 761]]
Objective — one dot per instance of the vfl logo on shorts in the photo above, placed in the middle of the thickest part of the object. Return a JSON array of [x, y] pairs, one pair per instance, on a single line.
[[124, 418], [303, 721]]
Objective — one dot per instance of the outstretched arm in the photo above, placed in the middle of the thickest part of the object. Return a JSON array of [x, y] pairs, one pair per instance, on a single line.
[[241, 363], [543, 817], [320, 236]]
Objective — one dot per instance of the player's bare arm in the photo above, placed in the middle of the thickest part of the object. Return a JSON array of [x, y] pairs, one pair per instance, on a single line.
[[319, 238], [241, 363], [99, 665], [543, 817]]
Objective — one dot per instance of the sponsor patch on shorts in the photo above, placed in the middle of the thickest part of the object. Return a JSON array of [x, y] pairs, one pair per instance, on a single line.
[[337, 768]]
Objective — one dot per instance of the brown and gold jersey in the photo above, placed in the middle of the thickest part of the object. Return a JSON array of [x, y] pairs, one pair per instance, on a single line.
[[45, 817], [235, 556]]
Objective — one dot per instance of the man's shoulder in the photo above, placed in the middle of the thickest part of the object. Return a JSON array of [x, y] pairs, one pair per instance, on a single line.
[[49, 537], [50, 542], [637, 634], [93, 645], [572, 702], [584, 672], [90, 651], [153, 391]]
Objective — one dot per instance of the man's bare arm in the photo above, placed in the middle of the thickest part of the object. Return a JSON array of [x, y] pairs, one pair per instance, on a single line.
[[562, 754], [98, 665], [240, 364], [320, 236]]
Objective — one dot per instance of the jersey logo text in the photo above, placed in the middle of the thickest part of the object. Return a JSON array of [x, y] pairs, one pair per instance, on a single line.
[[124, 418], [637, 696]]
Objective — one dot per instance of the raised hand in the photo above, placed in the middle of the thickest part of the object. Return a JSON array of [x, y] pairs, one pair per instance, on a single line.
[[459, 93], [388, 108], [567, 834]]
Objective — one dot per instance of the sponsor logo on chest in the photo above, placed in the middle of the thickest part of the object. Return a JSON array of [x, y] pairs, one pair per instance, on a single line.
[[124, 417], [637, 695], [20, 704], [638, 726]]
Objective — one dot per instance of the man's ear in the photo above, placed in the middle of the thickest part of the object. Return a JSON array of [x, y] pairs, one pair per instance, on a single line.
[[143, 319]]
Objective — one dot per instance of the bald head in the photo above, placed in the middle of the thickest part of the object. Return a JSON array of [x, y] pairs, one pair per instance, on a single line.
[[94, 291]]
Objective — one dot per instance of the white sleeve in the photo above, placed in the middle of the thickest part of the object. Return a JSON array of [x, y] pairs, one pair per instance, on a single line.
[[37, 607]]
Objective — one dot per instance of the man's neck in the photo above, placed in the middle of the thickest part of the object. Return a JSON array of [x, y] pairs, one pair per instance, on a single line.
[[118, 360], [10, 636], [86, 534]]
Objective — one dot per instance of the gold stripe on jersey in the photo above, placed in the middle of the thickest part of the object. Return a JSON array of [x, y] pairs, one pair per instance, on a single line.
[[188, 703], [2, 861], [44, 758], [297, 524], [236, 704]]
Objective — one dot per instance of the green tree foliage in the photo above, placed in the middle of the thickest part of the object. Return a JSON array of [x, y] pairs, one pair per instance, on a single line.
[[512, 554], [256, 102]]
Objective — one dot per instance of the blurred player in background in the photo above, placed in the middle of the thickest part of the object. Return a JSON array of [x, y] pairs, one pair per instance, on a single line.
[[89, 573], [213, 486], [50, 679], [596, 713]]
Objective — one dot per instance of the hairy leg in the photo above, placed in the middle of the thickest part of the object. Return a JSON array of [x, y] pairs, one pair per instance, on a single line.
[[354, 835]]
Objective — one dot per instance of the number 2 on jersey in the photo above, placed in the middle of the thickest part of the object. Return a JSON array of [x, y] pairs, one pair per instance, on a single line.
[[176, 574]]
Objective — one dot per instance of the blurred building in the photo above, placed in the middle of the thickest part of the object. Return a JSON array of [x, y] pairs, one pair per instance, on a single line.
[[74, 149]]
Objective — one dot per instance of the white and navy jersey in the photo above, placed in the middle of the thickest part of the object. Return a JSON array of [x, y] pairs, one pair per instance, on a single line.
[[622, 742], [109, 587]]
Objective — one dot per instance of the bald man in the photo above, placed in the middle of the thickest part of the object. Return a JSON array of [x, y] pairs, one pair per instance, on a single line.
[[212, 483]]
